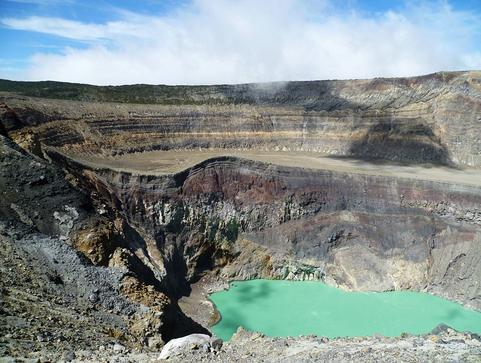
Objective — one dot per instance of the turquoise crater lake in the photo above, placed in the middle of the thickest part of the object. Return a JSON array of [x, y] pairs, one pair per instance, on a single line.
[[293, 308]]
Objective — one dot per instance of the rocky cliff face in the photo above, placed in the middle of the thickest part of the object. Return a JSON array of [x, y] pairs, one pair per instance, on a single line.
[[57, 293], [357, 231], [240, 218], [433, 119]]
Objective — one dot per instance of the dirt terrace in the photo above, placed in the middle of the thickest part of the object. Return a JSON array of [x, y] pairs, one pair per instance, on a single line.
[[173, 161]]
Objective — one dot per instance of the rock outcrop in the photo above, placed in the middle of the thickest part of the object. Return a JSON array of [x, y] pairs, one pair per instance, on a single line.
[[146, 236], [429, 119], [356, 231], [53, 299]]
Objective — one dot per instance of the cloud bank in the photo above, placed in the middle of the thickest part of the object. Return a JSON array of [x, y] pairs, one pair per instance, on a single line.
[[221, 41]]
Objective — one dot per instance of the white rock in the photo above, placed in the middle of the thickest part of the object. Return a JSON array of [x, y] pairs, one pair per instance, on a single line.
[[176, 346], [118, 348]]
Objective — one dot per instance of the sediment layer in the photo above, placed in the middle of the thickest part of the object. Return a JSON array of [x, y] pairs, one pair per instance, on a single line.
[[366, 185], [363, 232], [430, 119]]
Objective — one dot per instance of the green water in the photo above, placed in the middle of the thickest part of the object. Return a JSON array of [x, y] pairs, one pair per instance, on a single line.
[[288, 308]]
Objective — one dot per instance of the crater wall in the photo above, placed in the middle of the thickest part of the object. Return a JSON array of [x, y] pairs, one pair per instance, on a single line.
[[250, 220], [430, 119], [246, 219]]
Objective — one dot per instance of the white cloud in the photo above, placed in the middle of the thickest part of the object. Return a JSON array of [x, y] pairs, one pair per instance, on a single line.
[[42, 2], [57, 26], [221, 41]]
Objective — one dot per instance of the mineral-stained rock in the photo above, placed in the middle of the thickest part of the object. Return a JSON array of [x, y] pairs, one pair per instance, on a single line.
[[120, 207], [143, 294], [28, 141], [355, 231], [61, 298], [97, 242]]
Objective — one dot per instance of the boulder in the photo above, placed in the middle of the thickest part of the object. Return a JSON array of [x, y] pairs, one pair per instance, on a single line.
[[176, 346], [441, 328]]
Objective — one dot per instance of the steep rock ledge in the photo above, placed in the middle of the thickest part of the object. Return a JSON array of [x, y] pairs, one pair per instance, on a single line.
[[48, 276], [356, 231], [430, 119], [147, 237]]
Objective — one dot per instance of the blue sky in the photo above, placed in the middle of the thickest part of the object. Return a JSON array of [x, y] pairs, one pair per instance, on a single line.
[[222, 41]]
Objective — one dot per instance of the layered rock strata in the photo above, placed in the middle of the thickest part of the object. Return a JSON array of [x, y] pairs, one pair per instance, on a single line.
[[361, 232], [147, 236], [429, 119]]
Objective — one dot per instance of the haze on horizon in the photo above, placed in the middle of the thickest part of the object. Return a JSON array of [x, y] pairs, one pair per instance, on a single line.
[[222, 41]]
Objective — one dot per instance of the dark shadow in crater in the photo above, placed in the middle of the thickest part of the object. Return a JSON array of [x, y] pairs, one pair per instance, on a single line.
[[176, 283], [176, 324], [407, 141], [403, 141], [453, 314], [245, 293], [249, 293]]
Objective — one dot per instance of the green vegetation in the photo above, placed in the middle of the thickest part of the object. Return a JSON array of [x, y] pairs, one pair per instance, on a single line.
[[232, 228], [138, 93]]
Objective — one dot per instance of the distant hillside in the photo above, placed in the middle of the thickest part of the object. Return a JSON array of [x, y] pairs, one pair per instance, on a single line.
[[305, 93], [140, 93]]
